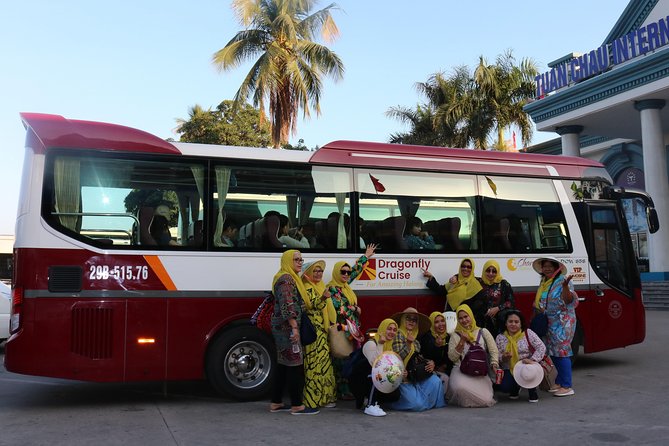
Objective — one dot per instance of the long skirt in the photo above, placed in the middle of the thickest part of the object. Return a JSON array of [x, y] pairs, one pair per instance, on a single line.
[[469, 391], [424, 395], [319, 386]]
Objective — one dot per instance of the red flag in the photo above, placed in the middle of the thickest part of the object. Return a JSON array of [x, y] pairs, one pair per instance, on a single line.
[[377, 184]]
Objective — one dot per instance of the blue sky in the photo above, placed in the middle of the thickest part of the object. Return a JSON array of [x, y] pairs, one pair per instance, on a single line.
[[145, 63]]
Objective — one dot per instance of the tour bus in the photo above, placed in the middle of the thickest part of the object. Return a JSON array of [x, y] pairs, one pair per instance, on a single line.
[[100, 295]]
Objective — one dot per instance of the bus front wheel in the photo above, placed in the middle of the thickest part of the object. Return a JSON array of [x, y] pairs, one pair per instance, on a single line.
[[240, 363]]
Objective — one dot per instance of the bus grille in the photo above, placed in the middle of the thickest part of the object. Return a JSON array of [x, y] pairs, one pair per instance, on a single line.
[[92, 332]]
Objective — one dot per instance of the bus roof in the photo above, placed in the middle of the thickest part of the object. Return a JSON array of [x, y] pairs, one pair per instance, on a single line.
[[47, 131]]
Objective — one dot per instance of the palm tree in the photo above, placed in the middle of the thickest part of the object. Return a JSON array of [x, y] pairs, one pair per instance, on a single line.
[[287, 74]]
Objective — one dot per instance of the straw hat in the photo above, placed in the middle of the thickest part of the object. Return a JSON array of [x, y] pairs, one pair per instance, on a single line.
[[423, 321], [537, 265], [528, 376]]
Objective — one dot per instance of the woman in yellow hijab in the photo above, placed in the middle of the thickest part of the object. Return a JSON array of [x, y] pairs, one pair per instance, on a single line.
[[434, 346], [289, 296], [462, 288], [498, 296], [467, 390], [344, 304], [319, 381]]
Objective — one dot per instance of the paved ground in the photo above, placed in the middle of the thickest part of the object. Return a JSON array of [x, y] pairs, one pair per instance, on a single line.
[[620, 398]]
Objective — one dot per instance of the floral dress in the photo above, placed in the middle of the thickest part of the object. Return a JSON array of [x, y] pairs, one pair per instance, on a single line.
[[287, 305], [319, 385], [498, 295], [561, 319]]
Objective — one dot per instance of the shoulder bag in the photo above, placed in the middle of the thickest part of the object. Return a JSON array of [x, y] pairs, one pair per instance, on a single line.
[[416, 368], [262, 318], [340, 346], [475, 361], [307, 330], [546, 363]]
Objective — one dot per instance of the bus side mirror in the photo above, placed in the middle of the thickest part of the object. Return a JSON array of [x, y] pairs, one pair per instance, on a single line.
[[653, 221]]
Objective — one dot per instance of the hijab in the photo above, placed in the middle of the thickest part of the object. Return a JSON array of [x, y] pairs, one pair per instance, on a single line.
[[383, 326], [329, 315], [344, 286], [484, 276], [287, 268], [439, 339], [512, 345], [468, 332], [464, 288]]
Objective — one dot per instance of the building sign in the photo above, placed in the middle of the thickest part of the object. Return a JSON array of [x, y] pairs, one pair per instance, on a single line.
[[634, 44]]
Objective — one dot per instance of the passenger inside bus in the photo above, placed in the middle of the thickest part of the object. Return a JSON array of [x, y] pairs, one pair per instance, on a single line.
[[160, 227], [292, 238], [229, 234], [416, 238]]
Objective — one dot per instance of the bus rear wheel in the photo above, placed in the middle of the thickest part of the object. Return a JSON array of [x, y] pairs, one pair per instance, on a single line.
[[240, 363]]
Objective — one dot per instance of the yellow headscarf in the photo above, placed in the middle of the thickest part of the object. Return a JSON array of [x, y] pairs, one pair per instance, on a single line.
[[439, 339], [329, 315], [469, 333], [464, 288], [544, 286], [287, 268], [345, 289], [403, 329], [383, 326], [484, 276], [512, 347]]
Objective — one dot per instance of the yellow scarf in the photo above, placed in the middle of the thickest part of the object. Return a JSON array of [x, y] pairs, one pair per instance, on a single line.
[[439, 338], [464, 288], [383, 326], [287, 268], [468, 333], [512, 347], [329, 315], [484, 276], [346, 290], [544, 287], [403, 329]]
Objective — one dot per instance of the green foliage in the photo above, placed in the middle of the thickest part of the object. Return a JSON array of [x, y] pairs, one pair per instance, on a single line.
[[300, 146], [227, 125], [471, 108], [289, 65]]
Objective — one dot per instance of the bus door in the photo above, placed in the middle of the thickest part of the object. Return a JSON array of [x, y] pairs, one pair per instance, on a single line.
[[612, 307]]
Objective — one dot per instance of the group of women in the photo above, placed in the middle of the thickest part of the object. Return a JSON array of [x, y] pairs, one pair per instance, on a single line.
[[486, 321]]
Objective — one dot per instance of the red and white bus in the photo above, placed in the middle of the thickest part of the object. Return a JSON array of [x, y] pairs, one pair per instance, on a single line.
[[99, 296]]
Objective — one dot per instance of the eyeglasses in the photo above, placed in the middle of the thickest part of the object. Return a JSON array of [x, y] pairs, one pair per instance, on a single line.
[[411, 319], [318, 271], [299, 260], [345, 272], [491, 270], [465, 267]]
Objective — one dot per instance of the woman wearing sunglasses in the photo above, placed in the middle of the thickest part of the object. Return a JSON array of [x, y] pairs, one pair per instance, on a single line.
[[499, 297], [344, 303], [462, 288]]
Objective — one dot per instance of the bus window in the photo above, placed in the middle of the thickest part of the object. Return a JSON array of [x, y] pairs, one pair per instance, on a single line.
[[389, 202], [522, 215], [608, 248], [313, 203], [123, 202]]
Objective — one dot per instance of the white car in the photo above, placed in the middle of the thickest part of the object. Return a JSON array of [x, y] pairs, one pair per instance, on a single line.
[[5, 307]]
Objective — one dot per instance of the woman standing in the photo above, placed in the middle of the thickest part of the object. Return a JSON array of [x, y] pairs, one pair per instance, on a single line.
[[289, 295], [499, 297], [557, 298], [517, 344], [434, 346], [466, 390], [319, 385], [422, 394], [344, 304], [462, 288]]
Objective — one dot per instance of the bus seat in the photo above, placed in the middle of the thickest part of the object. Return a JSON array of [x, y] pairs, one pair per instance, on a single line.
[[391, 234], [449, 229], [197, 234], [497, 236], [266, 233], [145, 219], [245, 237], [321, 232]]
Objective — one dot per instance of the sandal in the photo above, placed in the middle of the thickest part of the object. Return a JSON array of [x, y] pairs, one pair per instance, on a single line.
[[278, 408]]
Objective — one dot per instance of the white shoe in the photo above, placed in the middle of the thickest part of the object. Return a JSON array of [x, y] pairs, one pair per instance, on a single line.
[[375, 411]]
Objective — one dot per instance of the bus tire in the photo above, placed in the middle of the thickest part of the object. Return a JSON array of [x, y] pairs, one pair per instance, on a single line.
[[576, 343], [240, 363]]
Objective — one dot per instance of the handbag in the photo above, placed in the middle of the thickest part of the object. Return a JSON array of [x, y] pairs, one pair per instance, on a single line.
[[262, 318], [416, 368], [475, 361], [340, 346], [539, 324], [546, 363], [307, 330]]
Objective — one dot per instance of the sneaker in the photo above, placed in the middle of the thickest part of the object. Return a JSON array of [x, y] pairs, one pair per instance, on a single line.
[[534, 398], [330, 405], [375, 411], [306, 411], [513, 396], [564, 392], [283, 408]]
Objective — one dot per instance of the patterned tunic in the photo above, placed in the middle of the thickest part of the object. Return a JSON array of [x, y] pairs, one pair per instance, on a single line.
[[319, 385], [287, 305], [561, 319], [498, 295], [342, 306]]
